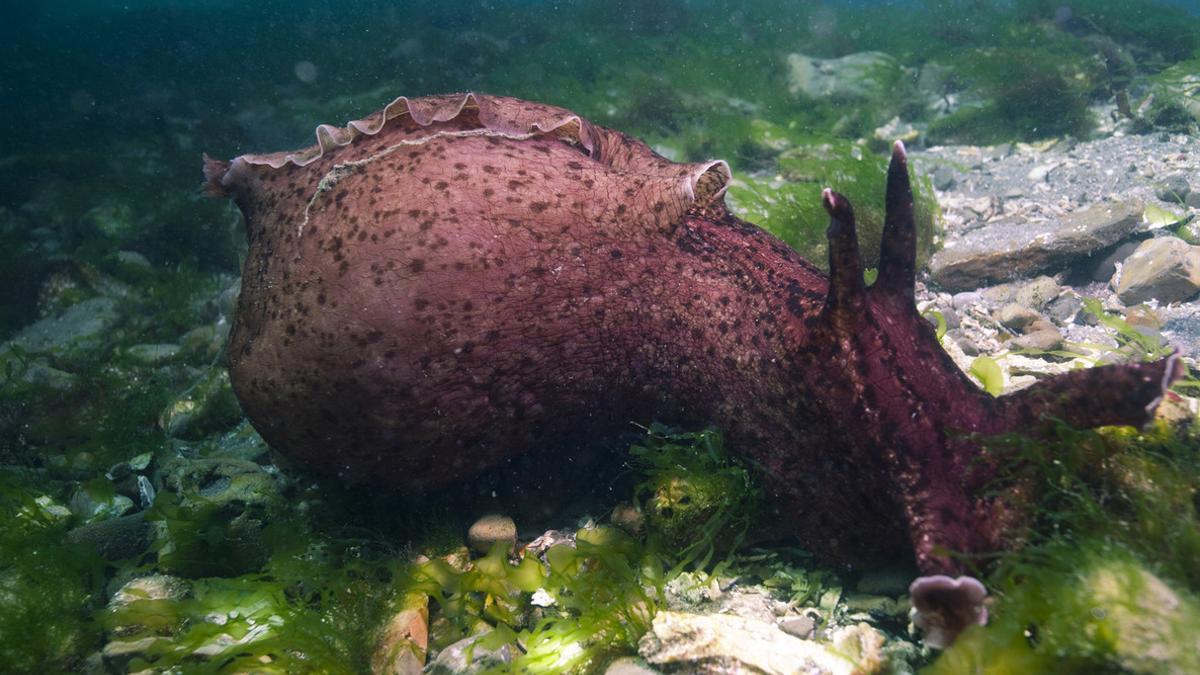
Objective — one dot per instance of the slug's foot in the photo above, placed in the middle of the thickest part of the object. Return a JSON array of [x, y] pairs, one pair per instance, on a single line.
[[943, 607]]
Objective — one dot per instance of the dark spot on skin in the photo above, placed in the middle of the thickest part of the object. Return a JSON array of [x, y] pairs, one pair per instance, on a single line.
[[616, 254], [420, 304]]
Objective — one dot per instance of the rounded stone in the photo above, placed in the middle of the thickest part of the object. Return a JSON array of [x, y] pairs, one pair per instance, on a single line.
[[1166, 269], [491, 530]]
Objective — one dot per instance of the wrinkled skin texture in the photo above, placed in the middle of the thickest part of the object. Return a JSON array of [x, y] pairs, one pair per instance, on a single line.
[[457, 279]]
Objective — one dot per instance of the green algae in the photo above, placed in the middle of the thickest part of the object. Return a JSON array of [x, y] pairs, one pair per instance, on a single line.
[[697, 499], [1107, 579], [790, 206], [48, 589], [1034, 87]]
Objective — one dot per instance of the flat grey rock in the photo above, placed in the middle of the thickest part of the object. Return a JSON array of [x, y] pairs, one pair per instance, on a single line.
[[82, 327], [1005, 250]]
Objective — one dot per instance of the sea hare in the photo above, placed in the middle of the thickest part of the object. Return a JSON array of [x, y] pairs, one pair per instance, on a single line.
[[456, 279]]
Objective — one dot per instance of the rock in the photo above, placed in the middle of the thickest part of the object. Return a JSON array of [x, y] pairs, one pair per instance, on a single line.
[[1000, 294], [133, 259], [155, 588], [98, 500], [1174, 189], [1062, 310], [208, 406], [1140, 620], [966, 299], [225, 505], [80, 331], [117, 538], [1004, 250], [886, 581], [627, 517], [491, 530], [113, 219], [877, 606], [36, 374], [896, 130], [721, 643], [629, 665], [1144, 319], [202, 344], [1036, 331], [453, 659], [1046, 338], [1166, 269], [1017, 317], [944, 178], [802, 626], [243, 443], [118, 653], [150, 587], [405, 641], [1193, 199], [1179, 413], [864, 75], [1036, 294], [152, 354], [1039, 173], [1107, 267]]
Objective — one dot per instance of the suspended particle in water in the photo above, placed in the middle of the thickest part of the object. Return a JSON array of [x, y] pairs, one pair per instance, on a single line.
[[305, 71]]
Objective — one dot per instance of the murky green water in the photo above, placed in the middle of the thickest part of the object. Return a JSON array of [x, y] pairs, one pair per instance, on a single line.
[[145, 526]]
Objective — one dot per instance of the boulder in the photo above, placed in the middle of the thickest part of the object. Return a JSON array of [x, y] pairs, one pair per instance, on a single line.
[[82, 330], [864, 75], [722, 643]]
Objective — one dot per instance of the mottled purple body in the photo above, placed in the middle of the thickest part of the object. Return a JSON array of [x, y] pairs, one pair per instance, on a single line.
[[460, 278]]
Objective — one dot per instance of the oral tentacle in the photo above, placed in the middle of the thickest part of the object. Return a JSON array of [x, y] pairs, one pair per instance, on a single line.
[[898, 251], [847, 297]]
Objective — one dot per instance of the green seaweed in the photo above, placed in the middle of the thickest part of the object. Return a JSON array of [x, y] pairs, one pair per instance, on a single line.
[[1033, 87], [1108, 577], [48, 588], [694, 494], [1165, 31], [792, 210]]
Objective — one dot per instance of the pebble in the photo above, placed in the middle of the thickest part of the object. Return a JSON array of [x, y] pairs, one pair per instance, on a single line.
[[152, 354], [1063, 309], [1174, 189], [802, 626], [1036, 294]]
